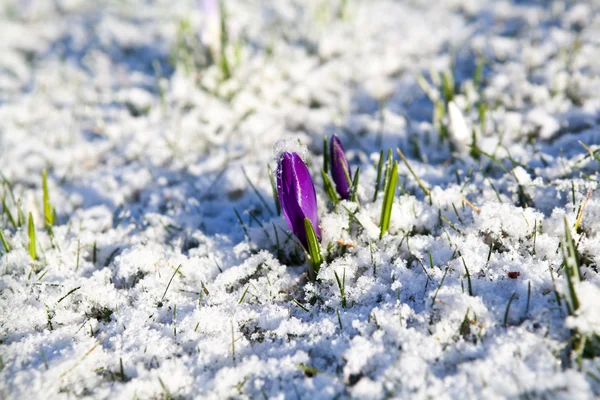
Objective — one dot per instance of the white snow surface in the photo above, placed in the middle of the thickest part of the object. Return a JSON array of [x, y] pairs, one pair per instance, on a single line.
[[149, 287]]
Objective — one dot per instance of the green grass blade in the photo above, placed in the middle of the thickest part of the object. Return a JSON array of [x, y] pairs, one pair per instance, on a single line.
[[512, 297], [8, 213], [388, 200], [482, 110], [439, 112], [20, 214], [413, 173], [274, 189], [314, 250], [388, 168], [571, 265], [237, 214], [48, 211], [260, 197], [354, 187], [224, 62], [378, 179], [328, 186], [448, 86], [32, 246], [342, 286], [5, 244]]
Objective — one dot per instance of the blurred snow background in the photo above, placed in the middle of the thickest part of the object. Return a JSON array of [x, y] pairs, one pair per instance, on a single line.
[[150, 288]]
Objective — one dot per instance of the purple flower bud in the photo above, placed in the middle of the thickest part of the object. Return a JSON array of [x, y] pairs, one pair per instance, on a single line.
[[297, 196], [340, 170]]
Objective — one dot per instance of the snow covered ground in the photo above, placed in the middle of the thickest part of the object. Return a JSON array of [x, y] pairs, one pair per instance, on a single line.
[[149, 286]]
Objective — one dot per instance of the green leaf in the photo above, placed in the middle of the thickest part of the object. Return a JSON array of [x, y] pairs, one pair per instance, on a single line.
[[48, 211], [224, 62], [5, 244], [448, 86], [328, 186], [571, 265], [314, 250], [31, 231], [342, 286], [274, 189], [388, 200], [8, 214], [354, 187], [482, 110], [379, 174]]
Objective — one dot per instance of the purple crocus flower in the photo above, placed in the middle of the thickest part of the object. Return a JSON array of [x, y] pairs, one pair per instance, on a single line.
[[297, 196], [340, 170]]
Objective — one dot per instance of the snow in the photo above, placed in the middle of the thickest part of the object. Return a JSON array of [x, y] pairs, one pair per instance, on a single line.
[[150, 287]]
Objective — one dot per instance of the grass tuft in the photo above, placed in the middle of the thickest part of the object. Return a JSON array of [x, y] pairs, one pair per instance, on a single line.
[[4, 242], [571, 267], [31, 232], [274, 189], [48, 209], [314, 250], [342, 286], [354, 187], [328, 186], [379, 174], [388, 200]]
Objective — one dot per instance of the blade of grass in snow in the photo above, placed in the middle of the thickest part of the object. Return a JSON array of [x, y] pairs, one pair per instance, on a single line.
[[439, 286], [223, 61], [31, 234], [262, 199], [327, 185], [170, 280], [419, 182], [508, 309], [439, 112], [354, 187], [314, 250], [379, 174], [447, 86], [592, 153], [4, 242], [341, 286], [353, 217], [20, 214], [296, 302], [8, 213], [426, 87], [388, 168], [388, 200], [337, 310], [470, 286], [242, 223], [244, 295], [274, 190], [581, 210], [572, 272], [48, 210], [482, 110]]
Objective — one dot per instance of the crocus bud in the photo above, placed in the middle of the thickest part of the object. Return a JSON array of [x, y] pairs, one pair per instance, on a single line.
[[340, 170], [297, 196]]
